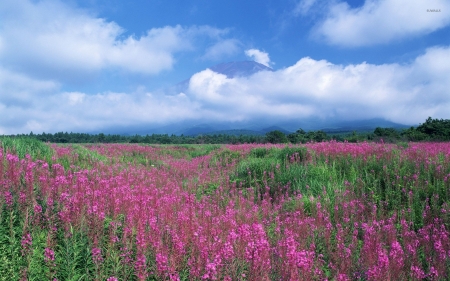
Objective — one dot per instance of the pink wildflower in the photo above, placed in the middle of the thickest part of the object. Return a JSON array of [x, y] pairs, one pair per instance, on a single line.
[[49, 255], [97, 255]]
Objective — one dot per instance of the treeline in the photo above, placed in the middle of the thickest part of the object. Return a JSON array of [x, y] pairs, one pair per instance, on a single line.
[[431, 130], [64, 137]]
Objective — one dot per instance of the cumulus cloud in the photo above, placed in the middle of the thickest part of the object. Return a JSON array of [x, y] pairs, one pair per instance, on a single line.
[[50, 39], [222, 49], [378, 21], [310, 88], [258, 56], [81, 112], [317, 88]]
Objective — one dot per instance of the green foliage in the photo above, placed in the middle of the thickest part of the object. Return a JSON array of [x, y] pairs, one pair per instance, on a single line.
[[275, 168], [435, 129], [385, 182], [202, 150], [276, 137], [386, 132], [86, 155], [297, 154], [260, 152], [73, 257], [402, 144], [62, 137], [355, 137], [431, 130], [206, 190], [300, 136], [225, 157], [412, 134], [11, 261], [39, 269], [21, 146], [81, 156], [317, 136]]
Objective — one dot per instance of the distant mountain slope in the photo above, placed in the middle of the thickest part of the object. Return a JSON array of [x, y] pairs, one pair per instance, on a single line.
[[239, 68], [362, 125], [201, 129], [257, 127], [237, 132], [275, 128], [329, 126]]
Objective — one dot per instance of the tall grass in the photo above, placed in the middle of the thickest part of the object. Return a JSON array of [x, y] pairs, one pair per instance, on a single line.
[[22, 146]]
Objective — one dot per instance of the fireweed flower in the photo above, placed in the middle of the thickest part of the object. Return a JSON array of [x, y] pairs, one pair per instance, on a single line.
[[26, 243], [37, 209], [140, 266], [154, 199], [8, 198], [125, 256], [22, 198], [161, 262], [96, 255], [49, 255]]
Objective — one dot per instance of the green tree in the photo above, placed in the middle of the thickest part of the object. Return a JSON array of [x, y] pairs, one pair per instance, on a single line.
[[297, 137], [101, 137], [435, 129], [276, 137]]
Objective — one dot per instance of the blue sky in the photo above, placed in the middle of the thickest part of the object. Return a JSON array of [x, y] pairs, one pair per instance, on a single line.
[[86, 65]]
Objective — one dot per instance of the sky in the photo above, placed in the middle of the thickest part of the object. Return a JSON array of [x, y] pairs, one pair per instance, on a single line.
[[92, 65]]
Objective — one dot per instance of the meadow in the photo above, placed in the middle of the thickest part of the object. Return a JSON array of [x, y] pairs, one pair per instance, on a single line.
[[315, 211]]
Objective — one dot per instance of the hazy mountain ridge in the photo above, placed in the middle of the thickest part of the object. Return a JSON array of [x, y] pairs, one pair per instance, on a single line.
[[240, 68], [262, 129]]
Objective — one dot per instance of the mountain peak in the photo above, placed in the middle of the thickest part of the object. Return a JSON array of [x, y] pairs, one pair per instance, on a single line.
[[239, 68]]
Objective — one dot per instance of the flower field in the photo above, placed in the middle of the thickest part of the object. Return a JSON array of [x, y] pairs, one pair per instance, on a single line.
[[318, 211]]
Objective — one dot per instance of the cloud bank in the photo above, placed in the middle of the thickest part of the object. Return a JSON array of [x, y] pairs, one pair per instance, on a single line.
[[310, 88], [377, 21]]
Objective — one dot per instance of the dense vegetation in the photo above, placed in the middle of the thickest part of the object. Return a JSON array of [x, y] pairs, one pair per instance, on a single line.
[[315, 211], [64, 137], [431, 130]]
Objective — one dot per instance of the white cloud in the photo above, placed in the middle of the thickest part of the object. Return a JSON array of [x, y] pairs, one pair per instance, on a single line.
[[80, 112], [49, 39], [149, 54], [308, 89], [16, 87], [75, 98], [222, 49], [258, 56], [303, 7], [379, 21]]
